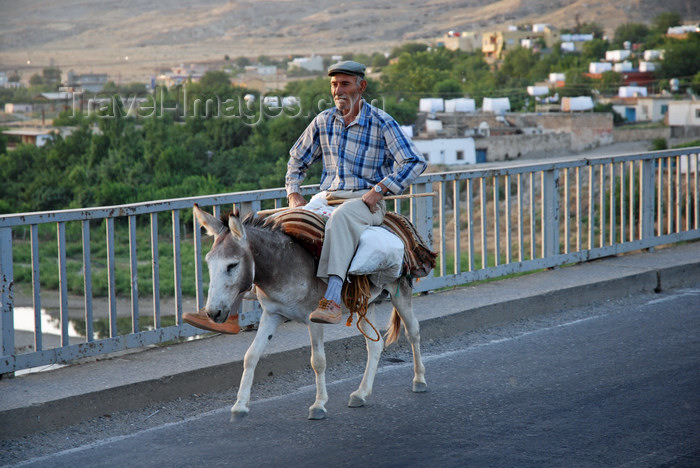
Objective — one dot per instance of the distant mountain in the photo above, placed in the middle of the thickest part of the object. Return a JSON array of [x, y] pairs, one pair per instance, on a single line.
[[131, 38]]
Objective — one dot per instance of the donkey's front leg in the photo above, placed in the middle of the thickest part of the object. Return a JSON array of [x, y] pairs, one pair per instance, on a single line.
[[268, 325], [374, 351], [318, 363]]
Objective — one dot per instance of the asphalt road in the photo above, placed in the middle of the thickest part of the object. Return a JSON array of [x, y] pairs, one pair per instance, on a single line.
[[613, 385]]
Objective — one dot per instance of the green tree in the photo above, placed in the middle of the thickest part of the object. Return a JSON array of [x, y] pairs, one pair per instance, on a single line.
[[662, 22], [215, 80], [610, 82], [409, 48], [636, 33], [695, 83], [36, 80], [518, 63], [378, 60], [448, 89], [595, 50], [592, 28], [242, 62], [404, 111], [681, 57], [52, 75]]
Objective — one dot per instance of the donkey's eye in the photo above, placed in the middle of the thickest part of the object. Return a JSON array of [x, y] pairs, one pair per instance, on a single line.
[[231, 267]]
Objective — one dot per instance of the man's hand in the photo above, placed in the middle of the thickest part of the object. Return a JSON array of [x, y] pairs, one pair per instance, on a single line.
[[296, 200], [371, 199]]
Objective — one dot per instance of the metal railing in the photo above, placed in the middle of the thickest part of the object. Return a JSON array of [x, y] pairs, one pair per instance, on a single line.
[[484, 223]]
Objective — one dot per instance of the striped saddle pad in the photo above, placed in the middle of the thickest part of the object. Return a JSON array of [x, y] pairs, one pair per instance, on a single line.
[[308, 228]]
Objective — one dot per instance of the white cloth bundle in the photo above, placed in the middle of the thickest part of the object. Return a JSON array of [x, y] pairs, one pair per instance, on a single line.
[[380, 252]]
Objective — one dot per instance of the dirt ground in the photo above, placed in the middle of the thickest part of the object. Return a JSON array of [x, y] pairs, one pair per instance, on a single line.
[[132, 40]]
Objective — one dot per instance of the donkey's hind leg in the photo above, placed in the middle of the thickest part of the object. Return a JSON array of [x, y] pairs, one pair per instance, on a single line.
[[402, 303], [374, 351]]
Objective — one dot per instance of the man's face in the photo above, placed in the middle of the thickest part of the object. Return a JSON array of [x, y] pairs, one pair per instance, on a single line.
[[345, 90]]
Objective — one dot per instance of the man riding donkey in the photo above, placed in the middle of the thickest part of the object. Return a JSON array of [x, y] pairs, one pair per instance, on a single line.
[[365, 156]]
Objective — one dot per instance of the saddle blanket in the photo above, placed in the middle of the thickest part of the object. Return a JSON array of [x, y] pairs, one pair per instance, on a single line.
[[379, 255]]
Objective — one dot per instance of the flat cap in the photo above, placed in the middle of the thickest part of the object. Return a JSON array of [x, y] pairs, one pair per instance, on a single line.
[[347, 67]]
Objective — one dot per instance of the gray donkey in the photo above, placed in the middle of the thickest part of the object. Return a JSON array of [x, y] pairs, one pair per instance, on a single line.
[[254, 254]]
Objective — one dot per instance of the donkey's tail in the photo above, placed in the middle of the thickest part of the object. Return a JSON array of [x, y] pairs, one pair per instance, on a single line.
[[394, 328]]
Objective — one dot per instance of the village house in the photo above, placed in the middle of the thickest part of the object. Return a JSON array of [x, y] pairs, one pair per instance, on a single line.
[[495, 44], [684, 118], [87, 82], [17, 108], [180, 75], [35, 135], [466, 41]]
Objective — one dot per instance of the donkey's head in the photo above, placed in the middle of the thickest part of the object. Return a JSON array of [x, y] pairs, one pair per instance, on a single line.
[[230, 262]]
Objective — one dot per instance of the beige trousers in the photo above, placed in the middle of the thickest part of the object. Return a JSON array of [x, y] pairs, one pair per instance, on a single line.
[[343, 231]]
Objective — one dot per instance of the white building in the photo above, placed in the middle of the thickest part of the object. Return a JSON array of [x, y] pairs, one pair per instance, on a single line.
[[181, 74], [684, 114], [631, 91], [653, 54], [652, 108], [537, 90], [576, 104], [12, 108], [568, 46], [599, 67], [577, 37], [622, 67], [313, 63], [448, 151], [88, 82], [684, 29], [557, 77], [617, 55], [647, 66]]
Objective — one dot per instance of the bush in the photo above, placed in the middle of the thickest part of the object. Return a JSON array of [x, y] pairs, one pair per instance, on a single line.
[[658, 144]]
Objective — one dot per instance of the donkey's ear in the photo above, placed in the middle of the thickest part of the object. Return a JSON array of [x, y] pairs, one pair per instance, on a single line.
[[212, 224], [236, 227]]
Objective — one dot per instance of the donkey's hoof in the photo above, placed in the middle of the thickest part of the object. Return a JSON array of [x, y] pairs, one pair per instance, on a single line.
[[419, 387], [356, 401], [238, 415], [316, 414]]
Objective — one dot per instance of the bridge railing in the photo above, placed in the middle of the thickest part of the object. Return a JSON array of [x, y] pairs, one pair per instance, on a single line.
[[484, 223]]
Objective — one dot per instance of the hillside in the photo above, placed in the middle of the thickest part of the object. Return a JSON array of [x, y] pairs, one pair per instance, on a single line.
[[130, 39]]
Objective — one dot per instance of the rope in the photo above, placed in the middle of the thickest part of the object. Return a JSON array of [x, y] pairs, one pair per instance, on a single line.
[[356, 293]]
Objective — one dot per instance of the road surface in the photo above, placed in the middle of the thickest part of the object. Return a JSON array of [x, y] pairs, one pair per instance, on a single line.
[[617, 384]]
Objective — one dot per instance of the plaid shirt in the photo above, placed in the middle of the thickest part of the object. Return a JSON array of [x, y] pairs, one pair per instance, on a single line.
[[372, 149]]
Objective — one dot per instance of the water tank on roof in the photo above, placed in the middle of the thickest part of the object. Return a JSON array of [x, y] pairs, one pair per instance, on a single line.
[[460, 105], [484, 129], [431, 105], [674, 84], [496, 105]]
